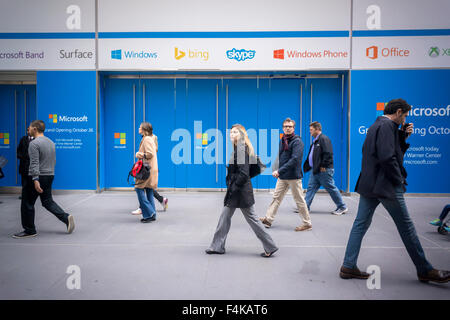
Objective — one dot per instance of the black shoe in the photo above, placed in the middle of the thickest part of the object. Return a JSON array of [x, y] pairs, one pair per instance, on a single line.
[[152, 218], [439, 276], [24, 234], [347, 273], [268, 255], [209, 251]]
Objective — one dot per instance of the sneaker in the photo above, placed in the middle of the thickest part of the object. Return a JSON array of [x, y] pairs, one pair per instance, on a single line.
[[137, 212], [265, 222], [339, 211], [447, 228], [165, 203], [24, 234], [152, 218], [70, 224], [304, 227], [436, 222]]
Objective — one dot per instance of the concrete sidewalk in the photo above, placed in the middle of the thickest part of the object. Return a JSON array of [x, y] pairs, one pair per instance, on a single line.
[[121, 258]]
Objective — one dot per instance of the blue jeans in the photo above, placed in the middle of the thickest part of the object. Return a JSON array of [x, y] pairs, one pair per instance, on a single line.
[[399, 213], [444, 212], [326, 180], [146, 203]]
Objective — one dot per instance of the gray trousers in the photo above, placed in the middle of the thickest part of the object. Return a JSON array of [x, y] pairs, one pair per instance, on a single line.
[[223, 227]]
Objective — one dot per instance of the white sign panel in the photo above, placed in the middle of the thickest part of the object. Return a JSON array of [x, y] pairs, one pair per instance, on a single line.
[[400, 14], [228, 16], [47, 54], [47, 16], [224, 54], [401, 52]]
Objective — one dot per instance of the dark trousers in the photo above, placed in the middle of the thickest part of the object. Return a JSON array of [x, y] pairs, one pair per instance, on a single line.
[[24, 178], [29, 197], [158, 196], [397, 209]]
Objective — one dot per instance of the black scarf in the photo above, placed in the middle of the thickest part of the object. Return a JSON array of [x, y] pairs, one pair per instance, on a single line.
[[286, 138]]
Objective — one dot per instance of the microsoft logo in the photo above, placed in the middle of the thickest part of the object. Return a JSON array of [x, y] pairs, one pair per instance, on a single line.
[[120, 138], [201, 139], [116, 54], [4, 138], [380, 108], [53, 118]]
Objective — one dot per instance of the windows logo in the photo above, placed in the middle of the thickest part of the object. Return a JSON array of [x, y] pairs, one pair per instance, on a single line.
[[278, 54], [53, 118], [201, 139], [120, 138], [4, 138], [116, 54], [380, 108]]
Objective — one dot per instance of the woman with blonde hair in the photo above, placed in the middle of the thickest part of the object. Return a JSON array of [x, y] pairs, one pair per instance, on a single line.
[[144, 188], [240, 195]]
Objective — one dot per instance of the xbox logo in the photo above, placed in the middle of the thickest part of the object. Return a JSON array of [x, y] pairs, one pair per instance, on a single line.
[[433, 52]]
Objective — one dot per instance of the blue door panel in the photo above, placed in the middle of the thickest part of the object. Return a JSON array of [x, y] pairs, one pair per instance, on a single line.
[[119, 139], [243, 109], [160, 112], [201, 105], [17, 109], [328, 109]]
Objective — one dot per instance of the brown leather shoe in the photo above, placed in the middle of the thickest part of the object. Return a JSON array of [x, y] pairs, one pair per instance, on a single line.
[[265, 222], [304, 227], [439, 276], [346, 273]]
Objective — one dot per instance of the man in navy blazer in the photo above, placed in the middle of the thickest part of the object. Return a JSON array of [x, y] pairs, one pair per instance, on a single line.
[[383, 180]]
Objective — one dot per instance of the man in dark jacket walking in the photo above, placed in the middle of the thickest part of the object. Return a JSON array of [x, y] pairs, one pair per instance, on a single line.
[[289, 175], [22, 155], [320, 160], [383, 179]]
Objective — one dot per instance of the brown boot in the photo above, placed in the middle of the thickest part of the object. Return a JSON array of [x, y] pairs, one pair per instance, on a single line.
[[439, 276], [346, 273], [304, 227]]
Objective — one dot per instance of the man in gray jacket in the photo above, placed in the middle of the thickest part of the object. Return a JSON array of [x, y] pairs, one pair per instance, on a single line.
[[39, 182]]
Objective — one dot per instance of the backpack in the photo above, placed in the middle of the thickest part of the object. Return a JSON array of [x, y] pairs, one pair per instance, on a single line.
[[140, 171]]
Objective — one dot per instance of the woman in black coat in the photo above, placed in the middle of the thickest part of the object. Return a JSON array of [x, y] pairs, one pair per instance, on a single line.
[[240, 195]]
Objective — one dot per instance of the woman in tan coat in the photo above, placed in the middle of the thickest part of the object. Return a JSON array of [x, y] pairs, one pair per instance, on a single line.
[[162, 200], [144, 188]]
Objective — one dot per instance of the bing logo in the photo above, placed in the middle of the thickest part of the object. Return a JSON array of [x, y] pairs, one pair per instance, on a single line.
[[4, 138], [53, 118], [120, 138], [380, 108]]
